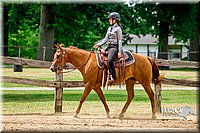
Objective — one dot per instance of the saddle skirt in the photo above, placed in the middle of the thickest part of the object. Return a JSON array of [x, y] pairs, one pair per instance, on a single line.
[[127, 58]]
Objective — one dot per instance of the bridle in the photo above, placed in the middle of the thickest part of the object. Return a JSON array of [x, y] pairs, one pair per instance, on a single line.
[[65, 66]]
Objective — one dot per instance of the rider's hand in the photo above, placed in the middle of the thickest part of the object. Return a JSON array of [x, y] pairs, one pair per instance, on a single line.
[[119, 55], [95, 46]]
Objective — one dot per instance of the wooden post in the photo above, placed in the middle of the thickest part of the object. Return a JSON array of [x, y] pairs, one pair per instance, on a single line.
[[148, 50], [181, 55], [58, 93], [136, 48], [157, 97], [120, 86], [44, 53]]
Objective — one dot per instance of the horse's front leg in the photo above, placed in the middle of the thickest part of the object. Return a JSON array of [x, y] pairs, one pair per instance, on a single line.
[[87, 90], [101, 96]]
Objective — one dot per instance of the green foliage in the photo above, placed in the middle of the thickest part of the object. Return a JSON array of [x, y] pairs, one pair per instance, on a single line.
[[147, 19], [27, 39], [23, 21], [183, 22], [82, 25]]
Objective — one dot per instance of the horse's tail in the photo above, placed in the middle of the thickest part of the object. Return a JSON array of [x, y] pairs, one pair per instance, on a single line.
[[156, 77]]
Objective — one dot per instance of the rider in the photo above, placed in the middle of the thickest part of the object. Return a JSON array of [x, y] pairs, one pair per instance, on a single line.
[[114, 39]]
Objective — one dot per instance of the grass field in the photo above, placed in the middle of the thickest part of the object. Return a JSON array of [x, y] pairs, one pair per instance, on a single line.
[[42, 101]]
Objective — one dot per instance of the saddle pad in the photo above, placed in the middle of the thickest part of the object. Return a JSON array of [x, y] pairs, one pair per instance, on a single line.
[[129, 58]]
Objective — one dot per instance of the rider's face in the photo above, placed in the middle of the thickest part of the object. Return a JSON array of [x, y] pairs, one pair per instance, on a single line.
[[111, 21]]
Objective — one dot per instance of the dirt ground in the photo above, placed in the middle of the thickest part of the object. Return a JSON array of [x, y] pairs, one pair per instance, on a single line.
[[90, 122]]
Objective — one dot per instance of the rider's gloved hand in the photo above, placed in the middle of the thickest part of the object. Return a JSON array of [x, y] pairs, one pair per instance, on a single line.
[[95, 46], [119, 55]]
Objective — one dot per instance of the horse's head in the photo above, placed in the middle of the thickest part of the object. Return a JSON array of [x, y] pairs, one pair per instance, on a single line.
[[59, 59]]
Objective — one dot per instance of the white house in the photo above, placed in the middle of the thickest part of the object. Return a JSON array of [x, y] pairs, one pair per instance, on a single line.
[[147, 45]]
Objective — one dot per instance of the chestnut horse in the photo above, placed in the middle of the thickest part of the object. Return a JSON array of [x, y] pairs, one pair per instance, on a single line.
[[144, 70]]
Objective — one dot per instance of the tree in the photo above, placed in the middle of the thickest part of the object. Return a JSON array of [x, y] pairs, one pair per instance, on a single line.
[[165, 15], [22, 26], [154, 19], [82, 25], [163, 20], [195, 38], [46, 43], [5, 29]]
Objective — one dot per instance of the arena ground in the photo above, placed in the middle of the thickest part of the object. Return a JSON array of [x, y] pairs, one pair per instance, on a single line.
[[85, 122]]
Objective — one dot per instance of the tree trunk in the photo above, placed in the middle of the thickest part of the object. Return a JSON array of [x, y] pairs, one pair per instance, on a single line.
[[5, 30], [194, 46], [163, 40], [46, 43], [195, 39]]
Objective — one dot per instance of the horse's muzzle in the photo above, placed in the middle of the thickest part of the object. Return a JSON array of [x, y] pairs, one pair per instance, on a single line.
[[52, 69]]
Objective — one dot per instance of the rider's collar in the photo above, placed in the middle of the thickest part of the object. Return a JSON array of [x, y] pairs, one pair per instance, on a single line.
[[115, 25]]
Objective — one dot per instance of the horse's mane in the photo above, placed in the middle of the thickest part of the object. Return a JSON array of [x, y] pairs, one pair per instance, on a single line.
[[72, 47]]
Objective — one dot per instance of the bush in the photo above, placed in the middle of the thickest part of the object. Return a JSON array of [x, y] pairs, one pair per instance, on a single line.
[[27, 38]]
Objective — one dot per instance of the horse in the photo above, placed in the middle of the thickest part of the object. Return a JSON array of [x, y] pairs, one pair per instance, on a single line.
[[144, 70]]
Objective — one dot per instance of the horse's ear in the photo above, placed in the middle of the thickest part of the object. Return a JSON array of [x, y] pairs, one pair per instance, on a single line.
[[62, 45], [59, 47], [56, 45]]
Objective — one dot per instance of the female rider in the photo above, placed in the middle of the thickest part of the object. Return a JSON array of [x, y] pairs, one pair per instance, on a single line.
[[114, 39]]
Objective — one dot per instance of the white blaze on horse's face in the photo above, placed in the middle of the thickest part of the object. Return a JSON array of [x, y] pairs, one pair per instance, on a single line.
[[57, 61]]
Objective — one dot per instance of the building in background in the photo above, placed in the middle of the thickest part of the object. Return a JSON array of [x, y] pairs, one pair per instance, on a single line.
[[147, 45]]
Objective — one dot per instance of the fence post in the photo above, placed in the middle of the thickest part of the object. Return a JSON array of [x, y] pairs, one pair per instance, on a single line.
[[58, 93], [19, 53], [157, 97], [18, 68], [44, 53]]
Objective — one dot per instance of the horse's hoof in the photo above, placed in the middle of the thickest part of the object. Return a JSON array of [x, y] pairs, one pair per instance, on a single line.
[[121, 116], [76, 116], [108, 116], [153, 117]]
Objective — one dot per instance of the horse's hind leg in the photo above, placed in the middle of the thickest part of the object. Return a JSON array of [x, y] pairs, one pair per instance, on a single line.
[[150, 93], [101, 96], [87, 90], [130, 90]]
